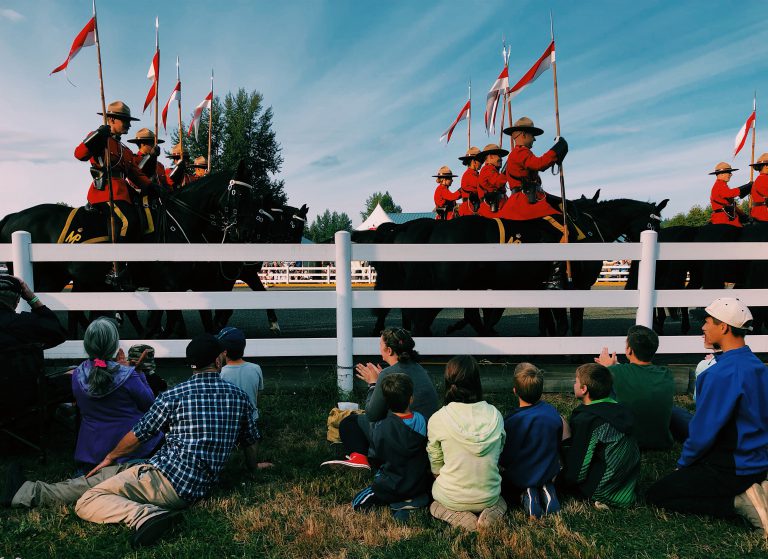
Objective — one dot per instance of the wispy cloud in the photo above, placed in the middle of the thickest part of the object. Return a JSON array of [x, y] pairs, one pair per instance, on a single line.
[[326, 161], [11, 15]]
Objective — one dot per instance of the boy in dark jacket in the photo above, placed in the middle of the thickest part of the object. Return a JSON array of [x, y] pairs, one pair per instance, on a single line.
[[602, 459], [398, 443], [530, 461]]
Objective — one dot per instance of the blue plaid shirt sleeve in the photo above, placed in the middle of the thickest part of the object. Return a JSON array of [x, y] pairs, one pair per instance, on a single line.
[[248, 427], [153, 420]]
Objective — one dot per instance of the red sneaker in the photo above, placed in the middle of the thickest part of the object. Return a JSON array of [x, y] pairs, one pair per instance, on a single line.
[[354, 460]]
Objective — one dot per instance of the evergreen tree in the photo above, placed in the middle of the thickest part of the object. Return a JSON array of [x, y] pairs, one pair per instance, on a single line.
[[327, 224], [242, 130], [386, 201]]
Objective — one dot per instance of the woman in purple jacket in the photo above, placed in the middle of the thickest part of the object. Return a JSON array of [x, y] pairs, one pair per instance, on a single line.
[[111, 395]]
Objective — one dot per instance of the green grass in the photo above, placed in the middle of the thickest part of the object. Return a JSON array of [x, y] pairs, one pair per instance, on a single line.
[[298, 510]]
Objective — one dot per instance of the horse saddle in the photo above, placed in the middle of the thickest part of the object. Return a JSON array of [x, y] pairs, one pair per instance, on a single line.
[[85, 225]]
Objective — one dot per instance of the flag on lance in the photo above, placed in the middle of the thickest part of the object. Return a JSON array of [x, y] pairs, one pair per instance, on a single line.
[[741, 137], [463, 114], [86, 38], [206, 104], [175, 96], [154, 72], [542, 64], [498, 88]]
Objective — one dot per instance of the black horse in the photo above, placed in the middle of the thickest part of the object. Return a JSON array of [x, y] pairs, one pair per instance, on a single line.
[[611, 220], [208, 210], [274, 224]]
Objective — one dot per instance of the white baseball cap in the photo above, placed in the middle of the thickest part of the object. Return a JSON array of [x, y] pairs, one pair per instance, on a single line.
[[731, 311]]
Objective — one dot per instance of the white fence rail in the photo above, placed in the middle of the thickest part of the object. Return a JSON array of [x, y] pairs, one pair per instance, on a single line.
[[344, 298]]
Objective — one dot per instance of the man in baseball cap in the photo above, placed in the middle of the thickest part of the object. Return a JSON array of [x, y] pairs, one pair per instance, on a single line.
[[723, 465]]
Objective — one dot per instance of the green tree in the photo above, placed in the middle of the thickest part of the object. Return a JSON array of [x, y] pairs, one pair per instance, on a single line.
[[386, 201], [242, 130], [327, 224], [696, 216]]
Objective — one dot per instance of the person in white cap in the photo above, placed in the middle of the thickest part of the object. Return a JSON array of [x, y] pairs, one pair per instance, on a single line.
[[723, 465]]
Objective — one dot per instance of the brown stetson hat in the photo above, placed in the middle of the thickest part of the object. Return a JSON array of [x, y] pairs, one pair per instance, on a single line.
[[524, 124], [176, 152], [761, 161], [200, 162], [471, 154], [145, 136], [118, 109], [721, 168], [492, 149], [444, 172]]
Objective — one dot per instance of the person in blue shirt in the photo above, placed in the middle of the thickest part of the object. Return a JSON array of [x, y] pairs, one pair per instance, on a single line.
[[530, 459], [724, 461]]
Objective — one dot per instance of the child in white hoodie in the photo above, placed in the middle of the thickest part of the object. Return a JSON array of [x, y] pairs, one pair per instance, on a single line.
[[466, 437]]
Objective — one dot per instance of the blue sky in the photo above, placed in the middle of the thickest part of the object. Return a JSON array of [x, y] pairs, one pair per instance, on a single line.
[[651, 93]]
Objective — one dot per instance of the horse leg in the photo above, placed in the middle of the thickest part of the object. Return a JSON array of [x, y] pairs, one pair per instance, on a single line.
[[206, 317], [174, 325], [577, 322], [661, 318], [685, 321], [221, 318], [133, 318], [491, 318], [472, 318], [546, 323], [153, 327], [381, 317], [561, 321]]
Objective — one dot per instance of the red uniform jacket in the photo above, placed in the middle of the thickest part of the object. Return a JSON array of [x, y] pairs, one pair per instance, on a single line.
[[469, 182], [184, 181], [123, 165], [490, 180], [759, 194], [722, 195], [522, 164], [443, 195]]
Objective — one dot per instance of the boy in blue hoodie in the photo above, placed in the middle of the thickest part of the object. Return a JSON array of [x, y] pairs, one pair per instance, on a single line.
[[399, 445], [530, 459], [722, 467]]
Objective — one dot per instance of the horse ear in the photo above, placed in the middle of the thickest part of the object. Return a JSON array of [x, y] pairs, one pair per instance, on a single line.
[[596, 196], [304, 210], [661, 205]]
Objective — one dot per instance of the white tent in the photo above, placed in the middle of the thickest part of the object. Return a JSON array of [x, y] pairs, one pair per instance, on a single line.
[[377, 217]]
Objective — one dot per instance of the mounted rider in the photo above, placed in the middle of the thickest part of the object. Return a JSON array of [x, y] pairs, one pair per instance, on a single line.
[[177, 175], [200, 167], [492, 185], [759, 210], [148, 151], [445, 200], [469, 182], [725, 210], [527, 199], [123, 168]]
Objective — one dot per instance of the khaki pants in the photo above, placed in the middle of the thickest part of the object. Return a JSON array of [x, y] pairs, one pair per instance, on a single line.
[[132, 496], [41, 494], [123, 493]]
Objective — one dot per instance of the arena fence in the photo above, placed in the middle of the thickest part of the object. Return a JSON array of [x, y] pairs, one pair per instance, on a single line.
[[23, 254]]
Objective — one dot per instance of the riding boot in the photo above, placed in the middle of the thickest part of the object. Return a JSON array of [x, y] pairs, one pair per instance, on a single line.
[[556, 276]]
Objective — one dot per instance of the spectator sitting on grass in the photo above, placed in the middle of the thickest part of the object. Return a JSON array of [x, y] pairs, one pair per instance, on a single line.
[[397, 349], [142, 358], [243, 374], [646, 389], [111, 397], [398, 443], [530, 459], [722, 467], [466, 436], [601, 457], [203, 418]]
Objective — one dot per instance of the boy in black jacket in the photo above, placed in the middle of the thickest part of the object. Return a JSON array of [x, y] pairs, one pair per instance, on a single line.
[[602, 459], [398, 443]]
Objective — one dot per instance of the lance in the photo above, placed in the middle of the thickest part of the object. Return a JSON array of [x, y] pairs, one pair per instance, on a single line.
[[752, 162], [210, 124], [157, 78], [560, 165], [181, 128], [469, 117], [505, 57], [107, 163]]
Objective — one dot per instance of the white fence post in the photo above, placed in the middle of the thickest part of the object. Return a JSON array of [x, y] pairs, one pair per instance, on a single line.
[[343, 311], [646, 280], [22, 261]]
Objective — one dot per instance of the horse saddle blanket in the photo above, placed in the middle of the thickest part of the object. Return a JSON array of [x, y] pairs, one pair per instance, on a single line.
[[508, 235], [85, 226]]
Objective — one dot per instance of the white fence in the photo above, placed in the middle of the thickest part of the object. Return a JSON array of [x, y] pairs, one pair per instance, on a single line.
[[344, 299], [290, 274]]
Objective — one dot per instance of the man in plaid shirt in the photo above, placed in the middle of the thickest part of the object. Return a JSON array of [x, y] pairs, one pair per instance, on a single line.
[[203, 419]]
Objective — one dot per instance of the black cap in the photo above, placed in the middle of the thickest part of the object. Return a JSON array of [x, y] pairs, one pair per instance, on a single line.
[[203, 350], [232, 338], [10, 283]]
